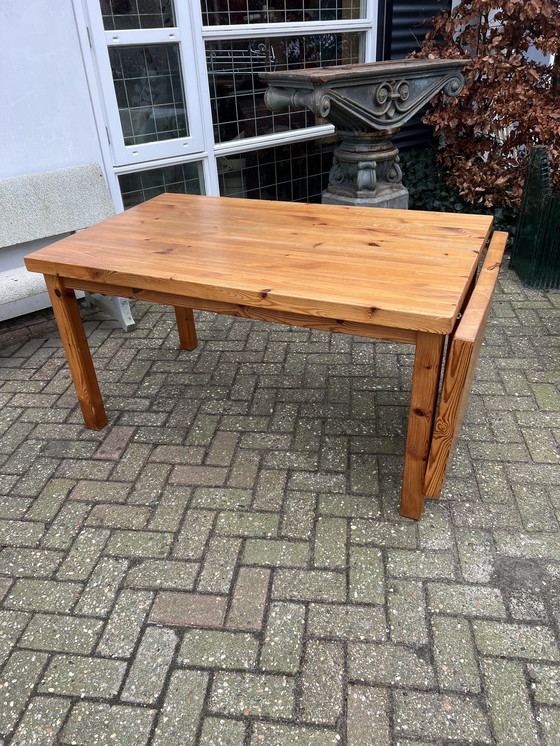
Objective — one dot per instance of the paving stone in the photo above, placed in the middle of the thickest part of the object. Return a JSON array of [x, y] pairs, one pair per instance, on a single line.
[[308, 585], [454, 654], [364, 531], [306, 472], [12, 624], [218, 649], [218, 732], [64, 634], [348, 507], [257, 695], [508, 701], [78, 676], [550, 720], [180, 714], [83, 555], [132, 460], [299, 515], [43, 595], [13, 508], [149, 668], [47, 504], [323, 661], [540, 546], [347, 622], [406, 607], [225, 498], [275, 553], [249, 597], [330, 542], [104, 725], [388, 665], [465, 600], [118, 516], [218, 565], [102, 587], [170, 510], [192, 539], [125, 623], [19, 677], [367, 577], [155, 574], [428, 715], [409, 564], [150, 483], [188, 609], [21, 533], [368, 718], [41, 722], [270, 490], [29, 563], [139, 544], [515, 640], [476, 555], [274, 734], [113, 446], [232, 523], [283, 638], [545, 683]]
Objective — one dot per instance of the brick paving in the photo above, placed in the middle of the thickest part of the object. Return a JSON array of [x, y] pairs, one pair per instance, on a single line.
[[224, 563]]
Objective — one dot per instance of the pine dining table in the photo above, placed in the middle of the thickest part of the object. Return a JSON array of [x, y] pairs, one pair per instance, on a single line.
[[418, 278]]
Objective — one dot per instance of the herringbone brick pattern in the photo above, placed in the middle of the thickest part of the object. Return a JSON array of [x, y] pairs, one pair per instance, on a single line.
[[224, 563]]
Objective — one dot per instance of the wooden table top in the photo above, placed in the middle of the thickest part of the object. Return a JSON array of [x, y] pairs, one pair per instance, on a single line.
[[396, 268]]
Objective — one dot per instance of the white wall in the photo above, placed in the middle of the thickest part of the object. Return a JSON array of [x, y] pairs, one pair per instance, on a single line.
[[46, 119]]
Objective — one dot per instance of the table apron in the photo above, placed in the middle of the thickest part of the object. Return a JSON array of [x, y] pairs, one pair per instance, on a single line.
[[406, 336]]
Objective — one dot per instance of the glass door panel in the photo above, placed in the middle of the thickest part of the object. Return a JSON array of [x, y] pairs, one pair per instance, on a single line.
[[181, 178], [130, 14], [146, 57], [149, 90]]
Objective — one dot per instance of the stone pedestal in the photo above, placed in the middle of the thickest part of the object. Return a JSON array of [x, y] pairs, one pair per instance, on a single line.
[[367, 104], [366, 172]]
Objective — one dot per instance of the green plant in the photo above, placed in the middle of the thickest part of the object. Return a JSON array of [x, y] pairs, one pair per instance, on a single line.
[[510, 98], [430, 189]]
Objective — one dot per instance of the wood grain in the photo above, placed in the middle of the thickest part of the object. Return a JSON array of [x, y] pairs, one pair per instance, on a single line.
[[460, 368], [337, 326], [186, 328], [395, 268], [423, 397], [75, 344]]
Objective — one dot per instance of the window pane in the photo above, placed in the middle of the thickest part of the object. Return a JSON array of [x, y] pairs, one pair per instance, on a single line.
[[129, 14], [237, 92], [298, 172], [149, 89], [227, 12], [184, 178]]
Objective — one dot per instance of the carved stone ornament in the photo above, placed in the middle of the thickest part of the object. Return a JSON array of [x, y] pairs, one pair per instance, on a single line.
[[367, 104]]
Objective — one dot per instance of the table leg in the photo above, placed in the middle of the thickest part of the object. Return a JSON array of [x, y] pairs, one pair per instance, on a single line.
[[73, 337], [423, 398], [186, 328]]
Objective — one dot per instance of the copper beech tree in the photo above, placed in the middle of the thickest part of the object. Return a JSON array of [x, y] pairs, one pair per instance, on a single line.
[[511, 98]]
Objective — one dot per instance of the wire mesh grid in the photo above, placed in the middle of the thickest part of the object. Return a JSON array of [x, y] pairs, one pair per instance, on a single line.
[[182, 178], [228, 12], [237, 92], [295, 172]]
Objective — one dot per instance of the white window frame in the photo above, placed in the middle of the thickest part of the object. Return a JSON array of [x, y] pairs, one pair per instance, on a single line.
[[102, 41], [192, 37]]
